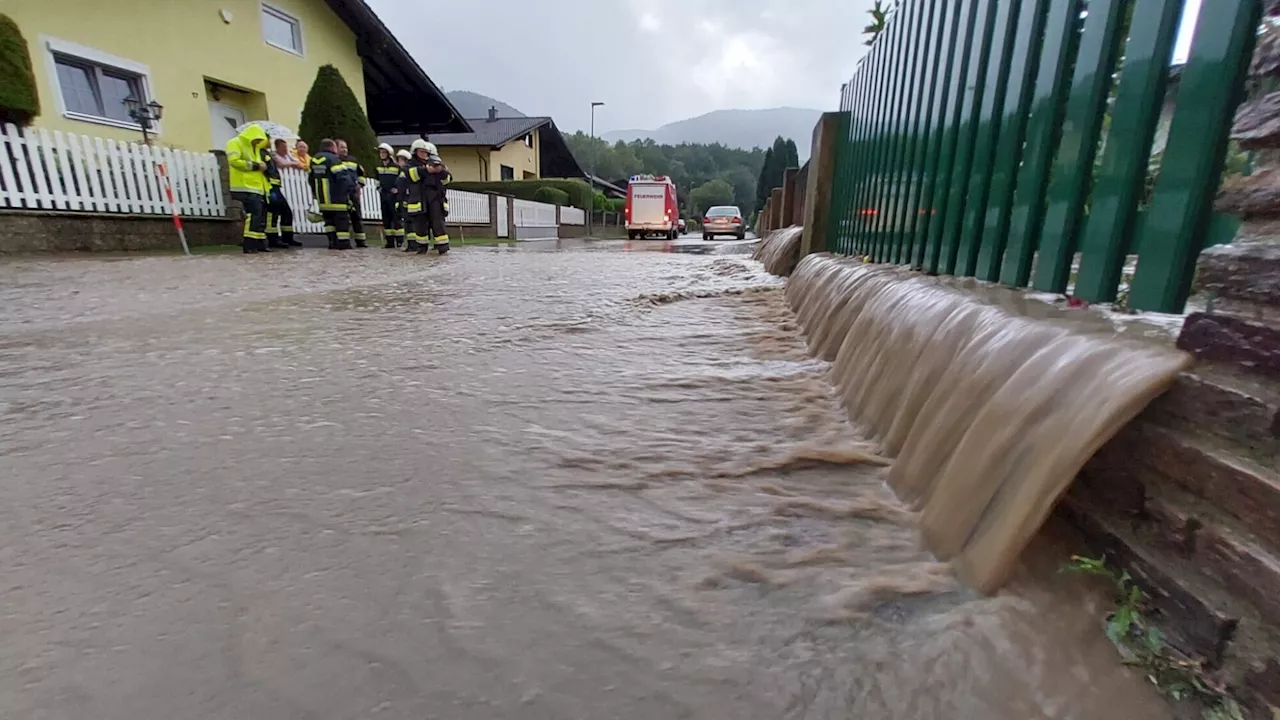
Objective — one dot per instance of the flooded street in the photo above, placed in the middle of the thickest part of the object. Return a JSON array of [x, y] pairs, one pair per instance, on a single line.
[[499, 484]]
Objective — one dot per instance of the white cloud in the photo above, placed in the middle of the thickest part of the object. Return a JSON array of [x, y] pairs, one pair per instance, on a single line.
[[651, 61]]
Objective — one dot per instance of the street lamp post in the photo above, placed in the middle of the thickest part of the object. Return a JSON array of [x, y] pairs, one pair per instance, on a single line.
[[146, 115], [591, 171]]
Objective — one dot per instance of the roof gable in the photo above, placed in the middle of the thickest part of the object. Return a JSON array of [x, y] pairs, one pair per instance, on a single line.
[[401, 98]]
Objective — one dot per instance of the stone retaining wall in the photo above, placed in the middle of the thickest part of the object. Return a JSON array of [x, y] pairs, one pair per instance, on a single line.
[[35, 231], [1187, 496]]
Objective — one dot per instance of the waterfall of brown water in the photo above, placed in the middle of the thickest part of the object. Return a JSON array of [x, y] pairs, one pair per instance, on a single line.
[[780, 251], [990, 413]]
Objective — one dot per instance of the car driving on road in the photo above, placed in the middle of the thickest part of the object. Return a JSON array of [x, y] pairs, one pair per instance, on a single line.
[[723, 220]]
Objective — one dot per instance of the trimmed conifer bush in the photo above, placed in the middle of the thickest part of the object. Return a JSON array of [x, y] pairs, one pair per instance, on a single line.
[[19, 102], [332, 111]]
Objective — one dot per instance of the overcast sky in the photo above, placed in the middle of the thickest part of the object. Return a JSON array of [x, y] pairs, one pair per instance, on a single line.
[[650, 61]]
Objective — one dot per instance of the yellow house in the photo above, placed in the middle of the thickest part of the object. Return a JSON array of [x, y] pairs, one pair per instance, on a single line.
[[215, 64], [503, 148]]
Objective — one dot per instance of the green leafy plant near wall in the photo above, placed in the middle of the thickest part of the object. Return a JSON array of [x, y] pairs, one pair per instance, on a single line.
[[332, 111], [1141, 645], [19, 101]]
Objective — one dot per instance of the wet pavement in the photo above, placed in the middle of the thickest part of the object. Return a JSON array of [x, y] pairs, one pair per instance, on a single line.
[[506, 483]]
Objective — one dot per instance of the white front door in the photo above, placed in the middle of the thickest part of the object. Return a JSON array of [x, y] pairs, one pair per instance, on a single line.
[[224, 120]]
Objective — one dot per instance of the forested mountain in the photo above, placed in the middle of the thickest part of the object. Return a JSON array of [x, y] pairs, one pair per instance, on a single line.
[[734, 128], [689, 165]]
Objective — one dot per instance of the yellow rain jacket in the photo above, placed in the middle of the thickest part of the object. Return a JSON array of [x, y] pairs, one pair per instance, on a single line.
[[244, 155]]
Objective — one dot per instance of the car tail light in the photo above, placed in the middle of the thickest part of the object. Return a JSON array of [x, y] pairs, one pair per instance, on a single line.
[[867, 211], [706, 221], [737, 220]]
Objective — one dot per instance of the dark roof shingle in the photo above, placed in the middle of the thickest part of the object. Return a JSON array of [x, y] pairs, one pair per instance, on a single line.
[[488, 133]]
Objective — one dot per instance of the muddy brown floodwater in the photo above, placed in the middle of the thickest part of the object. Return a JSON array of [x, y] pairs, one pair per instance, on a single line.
[[499, 484]]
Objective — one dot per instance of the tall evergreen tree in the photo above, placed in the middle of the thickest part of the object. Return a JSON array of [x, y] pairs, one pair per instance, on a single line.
[[19, 102], [332, 111], [793, 155], [763, 188]]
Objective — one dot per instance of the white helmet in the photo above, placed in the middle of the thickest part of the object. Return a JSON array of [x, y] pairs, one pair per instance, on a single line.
[[390, 150], [404, 154], [431, 148], [420, 144]]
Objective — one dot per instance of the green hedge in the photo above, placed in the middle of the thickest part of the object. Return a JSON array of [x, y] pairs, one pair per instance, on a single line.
[[19, 103], [579, 193], [551, 195]]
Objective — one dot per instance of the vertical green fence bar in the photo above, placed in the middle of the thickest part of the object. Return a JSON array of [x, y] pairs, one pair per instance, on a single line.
[[1082, 127], [903, 41], [856, 144], [933, 66], [937, 129], [1060, 41], [899, 32], [836, 198], [1023, 67], [881, 81], [1212, 85], [849, 144], [974, 90], [857, 147], [968, 15], [1003, 35], [919, 52], [1108, 232], [853, 145], [878, 108]]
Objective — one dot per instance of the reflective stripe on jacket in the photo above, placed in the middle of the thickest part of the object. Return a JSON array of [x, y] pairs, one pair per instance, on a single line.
[[244, 156], [388, 175], [332, 181]]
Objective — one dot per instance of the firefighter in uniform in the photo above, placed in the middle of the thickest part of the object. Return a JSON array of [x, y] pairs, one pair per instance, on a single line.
[[279, 214], [402, 161], [333, 182], [249, 184], [425, 200], [354, 202], [388, 192]]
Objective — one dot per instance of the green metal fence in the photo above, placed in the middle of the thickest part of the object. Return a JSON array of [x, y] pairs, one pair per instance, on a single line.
[[1009, 140]]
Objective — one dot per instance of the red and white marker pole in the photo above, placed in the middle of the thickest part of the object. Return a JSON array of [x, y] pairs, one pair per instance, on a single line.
[[173, 206]]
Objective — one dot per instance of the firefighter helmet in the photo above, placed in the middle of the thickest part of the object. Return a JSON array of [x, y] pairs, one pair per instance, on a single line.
[[420, 144], [390, 150], [404, 154]]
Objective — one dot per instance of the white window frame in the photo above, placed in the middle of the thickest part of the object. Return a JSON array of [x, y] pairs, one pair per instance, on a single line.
[[528, 141], [53, 47], [266, 8]]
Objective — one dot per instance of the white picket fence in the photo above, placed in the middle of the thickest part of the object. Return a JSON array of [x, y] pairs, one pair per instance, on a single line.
[[572, 216], [53, 171], [465, 208]]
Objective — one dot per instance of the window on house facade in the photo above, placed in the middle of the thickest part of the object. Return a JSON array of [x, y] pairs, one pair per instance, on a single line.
[[528, 140], [281, 30], [508, 172], [95, 90]]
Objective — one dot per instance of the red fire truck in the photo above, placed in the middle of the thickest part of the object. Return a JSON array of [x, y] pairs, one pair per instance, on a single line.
[[651, 207]]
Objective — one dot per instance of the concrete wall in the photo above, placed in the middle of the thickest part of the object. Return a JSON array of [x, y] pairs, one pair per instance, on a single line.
[[1187, 497], [23, 231], [177, 46]]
